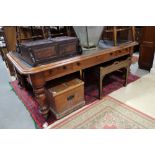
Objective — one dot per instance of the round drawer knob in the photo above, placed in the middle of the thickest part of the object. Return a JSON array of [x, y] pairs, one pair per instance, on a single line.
[[78, 63], [64, 67]]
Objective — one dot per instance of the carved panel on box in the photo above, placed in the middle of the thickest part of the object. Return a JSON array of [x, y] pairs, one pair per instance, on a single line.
[[45, 52]]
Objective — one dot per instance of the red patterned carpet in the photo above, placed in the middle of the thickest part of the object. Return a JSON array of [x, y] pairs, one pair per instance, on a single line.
[[111, 83], [107, 113]]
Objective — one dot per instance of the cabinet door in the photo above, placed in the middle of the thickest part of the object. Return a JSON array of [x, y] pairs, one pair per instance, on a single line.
[[147, 48], [146, 56]]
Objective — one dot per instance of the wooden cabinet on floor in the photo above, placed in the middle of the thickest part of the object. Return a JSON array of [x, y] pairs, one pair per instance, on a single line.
[[147, 47]]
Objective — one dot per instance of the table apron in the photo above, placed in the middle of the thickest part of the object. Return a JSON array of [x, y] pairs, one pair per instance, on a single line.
[[83, 64]]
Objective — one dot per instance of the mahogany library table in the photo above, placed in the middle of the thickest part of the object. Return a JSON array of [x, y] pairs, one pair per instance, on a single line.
[[39, 75]]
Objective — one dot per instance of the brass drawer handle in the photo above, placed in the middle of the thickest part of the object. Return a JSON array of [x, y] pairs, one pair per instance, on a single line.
[[71, 97]]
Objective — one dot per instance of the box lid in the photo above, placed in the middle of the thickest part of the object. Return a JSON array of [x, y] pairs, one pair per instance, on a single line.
[[65, 86], [37, 42], [64, 39], [57, 40]]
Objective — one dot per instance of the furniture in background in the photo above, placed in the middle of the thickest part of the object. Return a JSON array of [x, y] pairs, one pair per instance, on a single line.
[[2, 42], [147, 48], [119, 33], [138, 35], [30, 33], [4, 49], [115, 65]]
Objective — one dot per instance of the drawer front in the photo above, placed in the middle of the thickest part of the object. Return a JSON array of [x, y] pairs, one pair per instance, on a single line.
[[58, 72], [119, 53], [99, 59], [82, 64]]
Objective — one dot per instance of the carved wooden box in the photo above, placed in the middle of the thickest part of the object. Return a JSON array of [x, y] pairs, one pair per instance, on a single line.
[[65, 97], [48, 50]]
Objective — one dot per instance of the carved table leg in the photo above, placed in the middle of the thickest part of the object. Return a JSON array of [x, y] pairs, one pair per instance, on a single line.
[[38, 84], [21, 79], [41, 98]]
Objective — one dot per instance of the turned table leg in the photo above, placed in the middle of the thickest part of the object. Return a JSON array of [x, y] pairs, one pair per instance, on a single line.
[[41, 98], [38, 84]]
